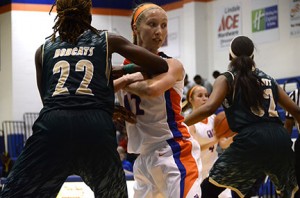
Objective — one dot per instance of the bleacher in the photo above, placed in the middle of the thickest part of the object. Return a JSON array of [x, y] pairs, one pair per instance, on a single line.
[[288, 85]]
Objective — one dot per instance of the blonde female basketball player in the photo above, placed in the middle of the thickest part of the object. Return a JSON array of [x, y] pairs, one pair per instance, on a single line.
[[203, 131], [169, 161]]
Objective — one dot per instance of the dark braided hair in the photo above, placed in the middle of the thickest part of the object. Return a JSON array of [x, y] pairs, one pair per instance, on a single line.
[[73, 18], [243, 66]]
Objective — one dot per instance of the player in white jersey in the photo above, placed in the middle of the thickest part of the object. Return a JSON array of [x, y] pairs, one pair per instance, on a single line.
[[203, 132], [169, 163]]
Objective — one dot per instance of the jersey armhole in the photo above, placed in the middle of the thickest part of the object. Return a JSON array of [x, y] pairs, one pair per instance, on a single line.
[[229, 77]]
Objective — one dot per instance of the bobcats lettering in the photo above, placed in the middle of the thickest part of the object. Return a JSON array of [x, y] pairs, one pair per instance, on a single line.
[[81, 51]]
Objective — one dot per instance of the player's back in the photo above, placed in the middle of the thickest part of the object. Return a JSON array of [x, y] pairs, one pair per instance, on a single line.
[[239, 115], [77, 75]]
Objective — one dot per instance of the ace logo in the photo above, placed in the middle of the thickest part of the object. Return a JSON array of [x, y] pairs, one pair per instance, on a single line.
[[229, 22]]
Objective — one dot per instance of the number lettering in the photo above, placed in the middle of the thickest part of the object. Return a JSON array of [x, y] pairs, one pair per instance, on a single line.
[[63, 67], [87, 66], [137, 102], [268, 94]]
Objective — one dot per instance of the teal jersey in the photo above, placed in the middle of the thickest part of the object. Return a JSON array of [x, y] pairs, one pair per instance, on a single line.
[[240, 116], [77, 75]]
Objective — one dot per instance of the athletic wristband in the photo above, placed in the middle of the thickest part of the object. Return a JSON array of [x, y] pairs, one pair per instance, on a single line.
[[129, 68]]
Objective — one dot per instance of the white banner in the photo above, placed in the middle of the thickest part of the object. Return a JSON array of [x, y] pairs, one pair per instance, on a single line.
[[229, 20], [295, 18], [264, 20]]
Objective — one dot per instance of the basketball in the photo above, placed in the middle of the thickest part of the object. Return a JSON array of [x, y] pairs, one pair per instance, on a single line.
[[221, 126]]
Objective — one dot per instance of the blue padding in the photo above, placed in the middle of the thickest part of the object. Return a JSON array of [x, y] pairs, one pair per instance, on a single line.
[[76, 178], [129, 176], [71, 178], [127, 165], [295, 133], [219, 110], [291, 79], [15, 144], [267, 188], [3, 180], [281, 113]]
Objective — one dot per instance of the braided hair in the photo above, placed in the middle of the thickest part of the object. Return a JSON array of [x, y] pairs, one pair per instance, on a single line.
[[243, 66], [73, 18]]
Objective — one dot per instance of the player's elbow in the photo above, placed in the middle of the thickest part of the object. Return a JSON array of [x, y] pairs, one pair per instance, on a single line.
[[163, 68]]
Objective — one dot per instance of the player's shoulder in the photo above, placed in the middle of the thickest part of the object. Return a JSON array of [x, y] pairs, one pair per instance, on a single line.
[[174, 62]]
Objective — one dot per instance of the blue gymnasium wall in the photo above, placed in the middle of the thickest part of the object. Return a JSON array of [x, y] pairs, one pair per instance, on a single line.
[[115, 4]]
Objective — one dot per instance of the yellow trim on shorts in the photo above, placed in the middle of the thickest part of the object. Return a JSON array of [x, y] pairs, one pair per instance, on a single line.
[[231, 188], [295, 190]]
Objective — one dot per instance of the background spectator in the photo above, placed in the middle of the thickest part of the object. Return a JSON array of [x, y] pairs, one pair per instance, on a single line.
[[203, 82]]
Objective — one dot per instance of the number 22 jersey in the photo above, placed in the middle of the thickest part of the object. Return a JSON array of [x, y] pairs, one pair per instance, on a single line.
[[77, 75]]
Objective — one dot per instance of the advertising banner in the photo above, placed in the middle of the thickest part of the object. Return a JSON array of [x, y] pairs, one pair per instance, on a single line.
[[228, 25], [295, 18], [264, 20]]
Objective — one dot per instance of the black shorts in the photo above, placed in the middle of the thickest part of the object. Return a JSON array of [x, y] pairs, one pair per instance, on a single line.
[[261, 149], [66, 142]]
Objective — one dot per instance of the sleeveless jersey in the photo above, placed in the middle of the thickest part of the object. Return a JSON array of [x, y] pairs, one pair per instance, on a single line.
[[77, 75], [204, 134], [240, 116], [158, 118]]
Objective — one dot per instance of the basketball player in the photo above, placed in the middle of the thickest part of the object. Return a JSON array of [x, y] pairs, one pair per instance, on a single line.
[[169, 163], [262, 145], [74, 133], [289, 123], [203, 132]]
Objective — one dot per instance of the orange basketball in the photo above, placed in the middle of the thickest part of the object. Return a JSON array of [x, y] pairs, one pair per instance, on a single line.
[[221, 126]]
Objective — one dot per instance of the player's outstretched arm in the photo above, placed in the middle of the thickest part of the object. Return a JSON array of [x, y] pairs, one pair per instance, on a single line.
[[216, 98], [149, 62], [157, 85]]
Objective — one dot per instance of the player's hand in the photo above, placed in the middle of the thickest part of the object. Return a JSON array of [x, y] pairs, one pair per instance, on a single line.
[[121, 114], [137, 76]]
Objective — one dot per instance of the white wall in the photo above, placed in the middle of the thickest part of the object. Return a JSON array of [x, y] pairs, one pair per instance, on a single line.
[[279, 59], [22, 32], [29, 31]]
